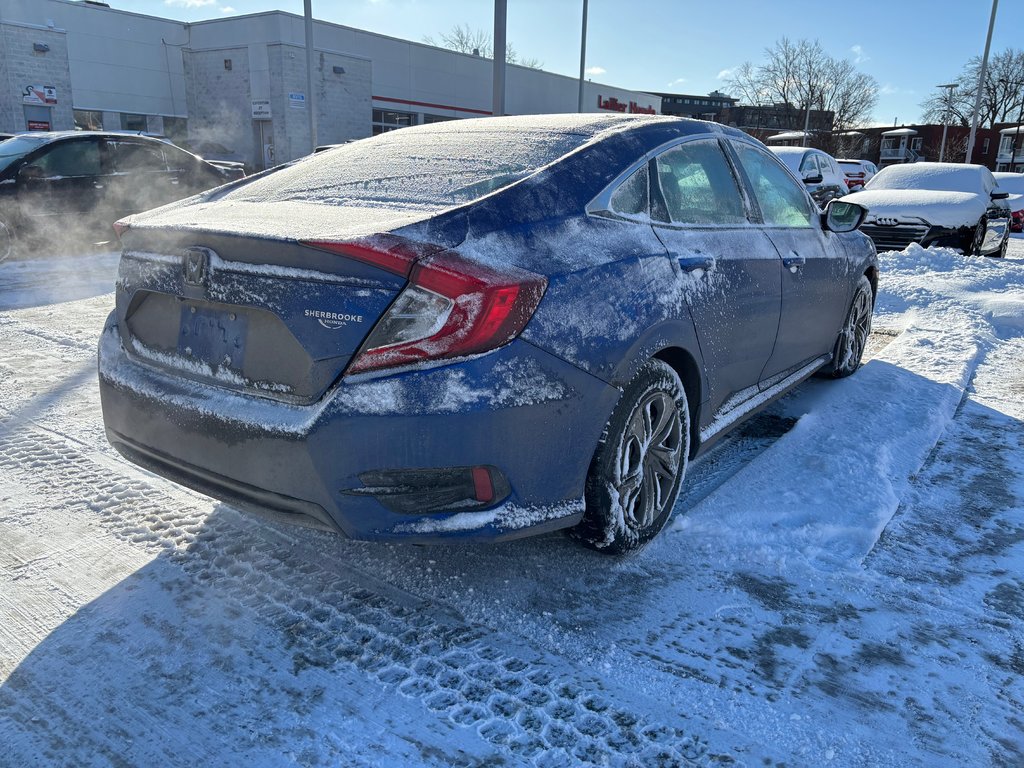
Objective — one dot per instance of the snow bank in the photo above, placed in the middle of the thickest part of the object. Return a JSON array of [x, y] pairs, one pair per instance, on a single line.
[[825, 491]]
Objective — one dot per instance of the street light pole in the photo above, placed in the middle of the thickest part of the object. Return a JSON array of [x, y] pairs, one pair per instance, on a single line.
[[981, 83], [583, 55], [945, 120]]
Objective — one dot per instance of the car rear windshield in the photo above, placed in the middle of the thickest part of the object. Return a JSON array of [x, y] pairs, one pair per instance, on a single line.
[[13, 149], [417, 167]]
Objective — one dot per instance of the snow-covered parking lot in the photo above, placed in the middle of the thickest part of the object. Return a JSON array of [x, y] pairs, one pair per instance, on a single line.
[[842, 583]]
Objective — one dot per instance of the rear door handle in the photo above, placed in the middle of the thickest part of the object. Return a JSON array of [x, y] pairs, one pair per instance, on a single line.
[[794, 262], [693, 263]]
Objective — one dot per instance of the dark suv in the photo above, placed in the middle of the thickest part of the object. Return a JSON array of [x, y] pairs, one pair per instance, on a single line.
[[62, 188]]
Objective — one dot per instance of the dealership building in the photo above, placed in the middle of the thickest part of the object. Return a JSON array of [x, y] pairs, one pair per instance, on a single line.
[[241, 81]]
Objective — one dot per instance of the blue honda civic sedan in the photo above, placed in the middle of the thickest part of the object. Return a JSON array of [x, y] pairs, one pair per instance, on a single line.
[[479, 329]]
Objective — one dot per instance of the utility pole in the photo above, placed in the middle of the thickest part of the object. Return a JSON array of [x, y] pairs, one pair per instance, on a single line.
[[981, 83], [310, 97], [945, 119], [583, 54], [500, 49]]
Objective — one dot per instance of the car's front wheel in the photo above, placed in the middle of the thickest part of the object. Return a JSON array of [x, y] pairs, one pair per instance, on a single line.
[[639, 463], [977, 240]]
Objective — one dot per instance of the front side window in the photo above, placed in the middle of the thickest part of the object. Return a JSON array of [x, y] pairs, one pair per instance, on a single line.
[[782, 201], [809, 166], [698, 186], [70, 158]]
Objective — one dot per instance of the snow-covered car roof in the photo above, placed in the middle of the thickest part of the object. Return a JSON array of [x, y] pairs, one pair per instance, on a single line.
[[940, 177], [1010, 182]]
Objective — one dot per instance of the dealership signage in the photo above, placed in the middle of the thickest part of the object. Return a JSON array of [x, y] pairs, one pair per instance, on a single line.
[[297, 100], [261, 109], [39, 94], [613, 104]]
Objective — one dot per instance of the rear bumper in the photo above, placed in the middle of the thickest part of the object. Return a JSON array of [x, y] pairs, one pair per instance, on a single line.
[[532, 416]]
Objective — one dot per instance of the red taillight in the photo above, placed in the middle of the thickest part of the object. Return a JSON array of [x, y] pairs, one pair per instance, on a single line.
[[477, 309], [120, 227]]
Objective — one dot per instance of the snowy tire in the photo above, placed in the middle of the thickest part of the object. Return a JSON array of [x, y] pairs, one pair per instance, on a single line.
[[977, 240], [853, 337], [639, 463]]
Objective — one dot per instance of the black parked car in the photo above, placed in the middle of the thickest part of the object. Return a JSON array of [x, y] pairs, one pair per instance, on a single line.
[[56, 188]]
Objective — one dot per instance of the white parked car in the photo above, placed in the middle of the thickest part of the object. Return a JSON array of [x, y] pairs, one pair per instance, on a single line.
[[858, 172], [818, 170], [941, 204]]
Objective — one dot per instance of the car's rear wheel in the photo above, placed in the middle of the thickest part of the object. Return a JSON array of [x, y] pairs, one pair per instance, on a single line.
[[853, 338], [6, 241], [639, 463]]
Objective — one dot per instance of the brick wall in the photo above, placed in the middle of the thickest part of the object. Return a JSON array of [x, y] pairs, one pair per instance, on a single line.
[[20, 66]]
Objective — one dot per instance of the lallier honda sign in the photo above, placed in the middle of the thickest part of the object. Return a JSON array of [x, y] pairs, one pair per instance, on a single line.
[[632, 107]]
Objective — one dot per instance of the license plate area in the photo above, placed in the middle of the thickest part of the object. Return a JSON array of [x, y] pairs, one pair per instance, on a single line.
[[211, 335]]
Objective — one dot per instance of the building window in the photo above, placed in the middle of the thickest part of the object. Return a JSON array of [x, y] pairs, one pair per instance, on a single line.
[[388, 120], [436, 118], [176, 129], [916, 142], [88, 120], [984, 146], [131, 122]]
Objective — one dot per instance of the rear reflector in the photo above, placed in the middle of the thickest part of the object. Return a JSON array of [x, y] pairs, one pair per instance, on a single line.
[[440, 489]]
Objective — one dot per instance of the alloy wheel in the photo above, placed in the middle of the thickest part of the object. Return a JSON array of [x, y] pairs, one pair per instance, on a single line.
[[649, 460]]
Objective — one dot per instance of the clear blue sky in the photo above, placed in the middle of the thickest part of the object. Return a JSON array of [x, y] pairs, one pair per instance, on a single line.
[[686, 45]]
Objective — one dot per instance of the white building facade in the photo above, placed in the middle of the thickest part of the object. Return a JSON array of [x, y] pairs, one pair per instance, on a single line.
[[241, 81]]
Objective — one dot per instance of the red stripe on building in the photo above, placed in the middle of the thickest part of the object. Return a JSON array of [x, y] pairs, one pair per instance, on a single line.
[[433, 106]]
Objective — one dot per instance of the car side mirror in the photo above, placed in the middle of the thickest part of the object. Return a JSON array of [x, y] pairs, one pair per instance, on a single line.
[[815, 179], [1000, 195], [30, 173], [843, 217]]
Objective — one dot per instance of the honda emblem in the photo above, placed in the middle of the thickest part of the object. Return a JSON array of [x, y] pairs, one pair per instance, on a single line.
[[197, 263]]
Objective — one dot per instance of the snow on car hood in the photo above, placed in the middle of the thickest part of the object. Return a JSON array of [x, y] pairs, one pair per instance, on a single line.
[[291, 220], [944, 209]]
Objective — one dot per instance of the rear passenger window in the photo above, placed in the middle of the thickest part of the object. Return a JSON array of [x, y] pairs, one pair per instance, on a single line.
[[782, 201], [630, 199], [698, 185]]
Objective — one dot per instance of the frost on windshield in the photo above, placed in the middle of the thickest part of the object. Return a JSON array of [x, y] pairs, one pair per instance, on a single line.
[[426, 166]]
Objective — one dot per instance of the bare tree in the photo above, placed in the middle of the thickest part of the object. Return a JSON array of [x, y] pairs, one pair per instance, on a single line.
[[1001, 94], [463, 39], [795, 76]]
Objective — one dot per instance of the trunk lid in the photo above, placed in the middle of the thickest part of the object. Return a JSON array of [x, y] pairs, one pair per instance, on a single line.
[[206, 294]]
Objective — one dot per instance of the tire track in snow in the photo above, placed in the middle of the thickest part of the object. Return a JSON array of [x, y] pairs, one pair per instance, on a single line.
[[525, 703]]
